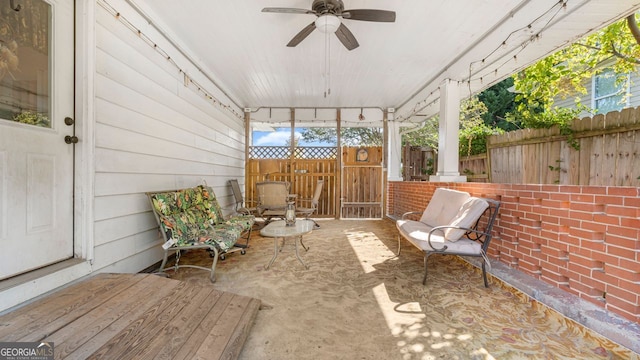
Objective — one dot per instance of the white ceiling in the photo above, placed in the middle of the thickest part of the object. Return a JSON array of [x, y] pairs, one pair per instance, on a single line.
[[398, 65]]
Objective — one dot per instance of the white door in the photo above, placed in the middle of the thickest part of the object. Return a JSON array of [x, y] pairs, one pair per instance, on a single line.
[[36, 165]]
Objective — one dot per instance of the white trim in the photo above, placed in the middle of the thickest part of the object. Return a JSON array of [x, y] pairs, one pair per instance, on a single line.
[[85, 121], [595, 98]]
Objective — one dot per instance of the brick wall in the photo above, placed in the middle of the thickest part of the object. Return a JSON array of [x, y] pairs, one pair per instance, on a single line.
[[583, 239]]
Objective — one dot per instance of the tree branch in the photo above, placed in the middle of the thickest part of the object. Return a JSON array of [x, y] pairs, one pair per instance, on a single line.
[[630, 59], [633, 27]]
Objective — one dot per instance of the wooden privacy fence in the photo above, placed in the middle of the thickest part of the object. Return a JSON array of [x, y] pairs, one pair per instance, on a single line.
[[356, 190], [420, 162], [310, 164], [607, 154]]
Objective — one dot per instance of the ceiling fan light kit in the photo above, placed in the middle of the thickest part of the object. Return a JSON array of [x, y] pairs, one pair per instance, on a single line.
[[330, 14], [327, 23]]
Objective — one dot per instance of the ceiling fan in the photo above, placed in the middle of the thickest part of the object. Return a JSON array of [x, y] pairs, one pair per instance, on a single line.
[[330, 14]]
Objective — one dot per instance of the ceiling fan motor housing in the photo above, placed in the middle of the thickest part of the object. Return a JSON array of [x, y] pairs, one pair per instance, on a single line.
[[327, 6]]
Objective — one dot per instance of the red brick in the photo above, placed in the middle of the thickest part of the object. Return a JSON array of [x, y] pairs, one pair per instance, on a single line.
[[630, 265], [625, 232], [593, 226], [633, 202], [596, 246], [579, 269], [572, 223], [570, 189], [560, 197], [551, 234], [594, 190], [606, 219], [622, 211], [581, 215], [630, 222], [585, 234], [560, 213], [583, 262], [587, 207], [609, 200], [605, 278], [623, 191], [621, 252], [581, 198], [606, 258], [630, 275], [626, 309], [622, 294], [630, 287], [622, 242]]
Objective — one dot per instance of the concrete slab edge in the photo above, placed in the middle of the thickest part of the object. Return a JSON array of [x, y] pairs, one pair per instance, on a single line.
[[610, 325]]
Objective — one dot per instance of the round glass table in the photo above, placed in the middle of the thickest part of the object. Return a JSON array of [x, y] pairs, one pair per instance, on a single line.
[[278, 229]]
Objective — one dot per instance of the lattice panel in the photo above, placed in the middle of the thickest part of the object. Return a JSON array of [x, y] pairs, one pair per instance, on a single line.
[[284, 152]]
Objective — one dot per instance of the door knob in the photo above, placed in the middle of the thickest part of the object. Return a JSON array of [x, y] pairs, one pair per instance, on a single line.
[[71, 139]]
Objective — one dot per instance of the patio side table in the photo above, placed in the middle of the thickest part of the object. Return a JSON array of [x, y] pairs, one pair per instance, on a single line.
[[278, 229]]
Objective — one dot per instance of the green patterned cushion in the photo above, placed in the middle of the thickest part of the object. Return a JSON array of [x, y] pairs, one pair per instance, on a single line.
[[194, 216]]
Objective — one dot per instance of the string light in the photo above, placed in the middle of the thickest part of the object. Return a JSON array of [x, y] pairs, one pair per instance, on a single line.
[[200, 89], [558, 6]]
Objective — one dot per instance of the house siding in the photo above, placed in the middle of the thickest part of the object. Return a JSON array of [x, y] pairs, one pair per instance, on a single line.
[[152, 132], [586, 99]]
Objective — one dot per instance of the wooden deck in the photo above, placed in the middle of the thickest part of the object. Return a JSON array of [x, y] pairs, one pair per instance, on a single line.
[[142, 316]]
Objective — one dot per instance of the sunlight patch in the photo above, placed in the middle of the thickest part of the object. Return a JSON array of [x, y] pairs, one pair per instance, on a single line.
[[368, 256], [407, 324]]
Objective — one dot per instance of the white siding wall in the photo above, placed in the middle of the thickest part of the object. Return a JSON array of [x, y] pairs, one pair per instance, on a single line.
[[152, 133]]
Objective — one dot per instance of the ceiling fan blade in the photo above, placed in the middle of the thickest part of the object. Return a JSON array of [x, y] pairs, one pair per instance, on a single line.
[[302, 35], [370, 15], [346, 37], [288, 10]]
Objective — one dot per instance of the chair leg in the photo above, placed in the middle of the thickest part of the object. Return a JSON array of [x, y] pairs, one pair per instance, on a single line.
[[212, 276], [484, 275], [164, 262], [398, 254], [424, 279]]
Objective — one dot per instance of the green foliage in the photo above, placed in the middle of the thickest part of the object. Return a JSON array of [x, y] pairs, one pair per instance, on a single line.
[[348, 136], [499, 100], [32, 118], [426, 136], [473, 130], [429, 170], [565, 73]]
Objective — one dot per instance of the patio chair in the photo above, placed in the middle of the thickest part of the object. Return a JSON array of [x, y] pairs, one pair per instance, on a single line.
[[454, 223], [273, 197], [241, 206], [306, 212]]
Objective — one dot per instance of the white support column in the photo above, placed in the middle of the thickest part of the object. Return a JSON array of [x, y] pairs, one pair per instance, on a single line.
[[395, 150], [448, 159]]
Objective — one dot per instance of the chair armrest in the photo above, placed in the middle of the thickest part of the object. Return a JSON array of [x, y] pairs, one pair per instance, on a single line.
[[467, 232], [404, 216]]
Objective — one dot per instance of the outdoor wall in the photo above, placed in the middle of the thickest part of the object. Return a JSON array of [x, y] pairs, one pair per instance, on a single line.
[[155, 129], [583, 239]]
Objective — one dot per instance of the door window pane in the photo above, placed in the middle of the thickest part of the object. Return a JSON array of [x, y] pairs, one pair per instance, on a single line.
[[24, 62]]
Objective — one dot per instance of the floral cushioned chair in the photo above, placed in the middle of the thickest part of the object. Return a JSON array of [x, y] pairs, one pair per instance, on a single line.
[[192, 219]]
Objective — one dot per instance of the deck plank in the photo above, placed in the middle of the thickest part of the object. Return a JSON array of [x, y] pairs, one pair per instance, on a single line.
[[190, 347], [135, 316], [35, 321], [78, 332], [170, 341]]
